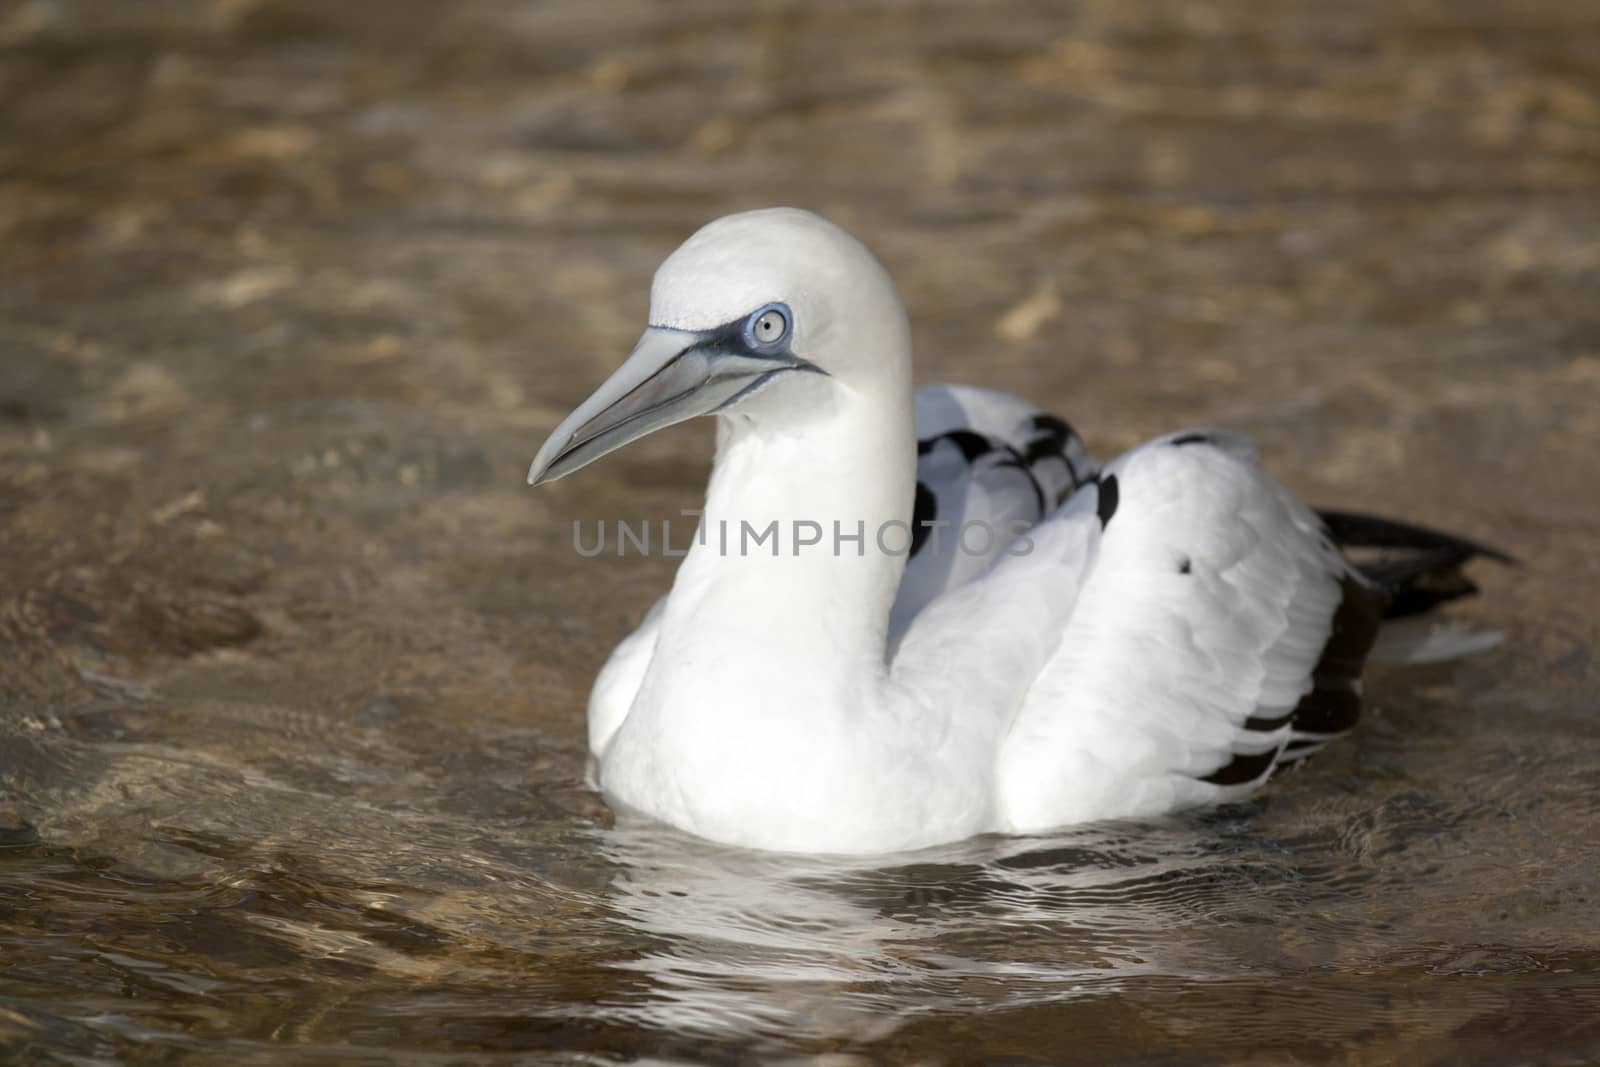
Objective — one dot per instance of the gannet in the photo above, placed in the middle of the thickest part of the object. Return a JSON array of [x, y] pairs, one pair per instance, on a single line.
[[844, 663]]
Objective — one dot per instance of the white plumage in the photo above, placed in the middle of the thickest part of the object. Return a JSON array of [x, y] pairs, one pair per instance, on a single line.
[[1067, 642]]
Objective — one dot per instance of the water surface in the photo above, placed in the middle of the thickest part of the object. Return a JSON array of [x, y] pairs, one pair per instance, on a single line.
[[292, 665]]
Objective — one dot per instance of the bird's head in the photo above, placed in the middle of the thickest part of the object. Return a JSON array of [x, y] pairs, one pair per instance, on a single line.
[[773, 315]]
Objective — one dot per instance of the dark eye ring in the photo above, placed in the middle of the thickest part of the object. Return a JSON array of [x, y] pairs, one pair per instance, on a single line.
[[769, 326]]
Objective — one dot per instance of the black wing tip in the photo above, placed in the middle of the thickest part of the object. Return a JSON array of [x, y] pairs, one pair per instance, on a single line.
[[1243, 769], [971, 443], [1418, 583], [1428, 574], [1332, 706], [1352, 529]]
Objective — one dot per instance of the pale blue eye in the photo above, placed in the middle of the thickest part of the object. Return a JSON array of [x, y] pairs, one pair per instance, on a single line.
[[768, 327]]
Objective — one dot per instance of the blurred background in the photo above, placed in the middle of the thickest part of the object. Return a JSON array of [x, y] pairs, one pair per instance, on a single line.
[[292, 664]]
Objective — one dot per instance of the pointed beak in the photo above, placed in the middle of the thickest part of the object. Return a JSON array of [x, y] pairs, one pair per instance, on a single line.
[[670, 376]]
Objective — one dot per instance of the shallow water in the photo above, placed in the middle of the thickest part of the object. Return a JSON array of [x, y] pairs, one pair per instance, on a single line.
[[292, 665]]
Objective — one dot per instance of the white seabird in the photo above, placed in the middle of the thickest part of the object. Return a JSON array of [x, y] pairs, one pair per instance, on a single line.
[[1152, 634]]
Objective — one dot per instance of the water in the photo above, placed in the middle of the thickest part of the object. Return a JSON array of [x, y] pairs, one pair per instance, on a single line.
[[292, 665]]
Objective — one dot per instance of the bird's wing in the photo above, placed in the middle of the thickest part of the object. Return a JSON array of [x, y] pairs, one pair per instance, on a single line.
[[1217, 627], [989, 466], [967, 660]]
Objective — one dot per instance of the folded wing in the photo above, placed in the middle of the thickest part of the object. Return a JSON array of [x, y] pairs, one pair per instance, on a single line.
[[1218, 627], [989, 466]]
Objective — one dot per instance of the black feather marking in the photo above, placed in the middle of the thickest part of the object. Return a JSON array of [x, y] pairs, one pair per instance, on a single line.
[[1420, 583], [1334, 703], [1267, 724], [1352, 530], [1053, 427], [1074, 478], [1333, 706], [1329, 710], [1243, 768], [1416, 599], [923, 514], [1107, 503], [971, 443], [1192, 439], [1016, 459], [1186, 566], [1429, 576], [1053, 438]]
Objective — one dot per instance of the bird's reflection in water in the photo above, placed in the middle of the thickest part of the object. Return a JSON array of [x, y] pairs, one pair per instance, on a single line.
[[851, 947]]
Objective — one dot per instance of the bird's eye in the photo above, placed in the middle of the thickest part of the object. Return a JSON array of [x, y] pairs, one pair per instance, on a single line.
[[769, 326]]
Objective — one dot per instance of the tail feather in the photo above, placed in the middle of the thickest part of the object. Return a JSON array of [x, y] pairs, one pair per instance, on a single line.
[[1427, 575], [1420, 583], [1353, 530], [1379, 619]]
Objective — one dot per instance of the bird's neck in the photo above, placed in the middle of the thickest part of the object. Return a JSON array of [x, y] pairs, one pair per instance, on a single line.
[[801, 546]]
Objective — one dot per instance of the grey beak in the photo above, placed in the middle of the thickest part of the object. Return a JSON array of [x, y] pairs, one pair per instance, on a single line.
[[670, 376]]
